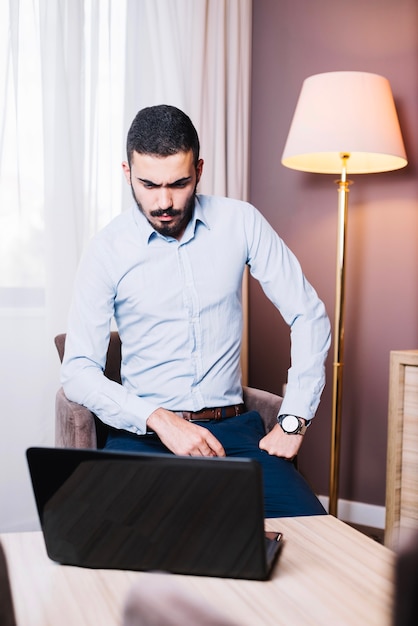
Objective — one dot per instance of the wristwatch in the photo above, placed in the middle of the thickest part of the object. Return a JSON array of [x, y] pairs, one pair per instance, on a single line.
[[293, 425]]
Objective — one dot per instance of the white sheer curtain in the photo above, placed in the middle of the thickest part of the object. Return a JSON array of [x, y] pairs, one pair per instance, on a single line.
[[83, 52], [73, 73], [196, 54]]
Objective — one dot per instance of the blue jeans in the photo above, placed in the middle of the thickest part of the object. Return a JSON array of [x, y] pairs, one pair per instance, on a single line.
[[286, 493]]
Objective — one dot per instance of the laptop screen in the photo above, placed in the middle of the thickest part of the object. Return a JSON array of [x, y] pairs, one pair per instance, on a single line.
[[190, 515]]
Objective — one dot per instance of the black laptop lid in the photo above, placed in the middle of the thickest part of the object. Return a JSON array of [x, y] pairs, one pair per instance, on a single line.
[[187, 515]]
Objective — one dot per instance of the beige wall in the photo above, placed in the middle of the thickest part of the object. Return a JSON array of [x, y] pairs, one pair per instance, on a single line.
[[293, 39]]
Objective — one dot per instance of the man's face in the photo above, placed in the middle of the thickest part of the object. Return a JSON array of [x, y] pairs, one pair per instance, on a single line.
[[164, 189]]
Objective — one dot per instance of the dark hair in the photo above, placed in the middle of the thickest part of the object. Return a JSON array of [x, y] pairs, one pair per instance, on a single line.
[[162, 130]]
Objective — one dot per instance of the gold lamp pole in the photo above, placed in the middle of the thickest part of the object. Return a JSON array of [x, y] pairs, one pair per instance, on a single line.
[[343, 119], [338, 365]]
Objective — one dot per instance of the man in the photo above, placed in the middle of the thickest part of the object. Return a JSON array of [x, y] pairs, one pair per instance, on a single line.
[[170, 273]]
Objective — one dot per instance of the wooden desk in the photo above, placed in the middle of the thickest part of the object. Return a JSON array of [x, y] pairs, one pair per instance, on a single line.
[[327, 574]]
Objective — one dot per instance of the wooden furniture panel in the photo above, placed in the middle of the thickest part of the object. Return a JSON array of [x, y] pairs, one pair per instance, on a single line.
[[402, 450]]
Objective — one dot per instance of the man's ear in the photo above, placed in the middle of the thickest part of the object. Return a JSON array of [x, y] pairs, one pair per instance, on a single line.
[[127, 171], [199, 170]]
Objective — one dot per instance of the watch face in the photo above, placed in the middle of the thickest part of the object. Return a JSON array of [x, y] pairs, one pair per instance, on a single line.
[[290, 423]]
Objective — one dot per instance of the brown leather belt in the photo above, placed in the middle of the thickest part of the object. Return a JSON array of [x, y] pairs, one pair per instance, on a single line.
[[205, 415], [217, 413]]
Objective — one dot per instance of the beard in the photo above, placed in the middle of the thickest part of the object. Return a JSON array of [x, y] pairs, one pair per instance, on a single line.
[[177, 226]]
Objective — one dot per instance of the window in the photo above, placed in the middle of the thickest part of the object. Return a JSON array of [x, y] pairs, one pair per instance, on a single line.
[[21, 150], [94, 33]]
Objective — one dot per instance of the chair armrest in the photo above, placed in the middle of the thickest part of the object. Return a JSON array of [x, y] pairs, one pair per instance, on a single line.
[[74, 424], [266, 403]]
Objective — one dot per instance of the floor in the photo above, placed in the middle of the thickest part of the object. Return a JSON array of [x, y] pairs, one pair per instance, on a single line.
[[374, 533]]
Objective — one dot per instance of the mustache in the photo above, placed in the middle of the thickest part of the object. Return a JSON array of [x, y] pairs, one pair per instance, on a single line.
[[169, 212]]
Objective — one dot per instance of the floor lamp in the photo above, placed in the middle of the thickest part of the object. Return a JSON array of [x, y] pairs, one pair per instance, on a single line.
[[344, 122]]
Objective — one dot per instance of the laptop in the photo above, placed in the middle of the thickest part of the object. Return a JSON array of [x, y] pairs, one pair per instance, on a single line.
[[153, 512]]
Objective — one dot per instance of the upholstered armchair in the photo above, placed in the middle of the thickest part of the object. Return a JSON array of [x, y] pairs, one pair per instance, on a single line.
[[77, 427]]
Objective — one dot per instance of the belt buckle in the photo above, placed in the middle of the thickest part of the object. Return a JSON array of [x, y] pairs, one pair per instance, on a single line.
[[202, 419], [193, 419]]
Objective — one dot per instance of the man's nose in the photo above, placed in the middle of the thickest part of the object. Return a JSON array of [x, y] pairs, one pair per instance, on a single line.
[[165, 198]]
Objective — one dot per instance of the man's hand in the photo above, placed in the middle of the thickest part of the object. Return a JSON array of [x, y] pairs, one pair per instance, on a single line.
[[182, 437], [278, 443]]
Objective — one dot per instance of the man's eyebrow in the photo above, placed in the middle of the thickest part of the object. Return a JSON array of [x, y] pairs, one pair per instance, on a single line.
[[180, 181]]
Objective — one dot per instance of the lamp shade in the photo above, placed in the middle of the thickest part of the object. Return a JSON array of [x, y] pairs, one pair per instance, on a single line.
[[350, 113]]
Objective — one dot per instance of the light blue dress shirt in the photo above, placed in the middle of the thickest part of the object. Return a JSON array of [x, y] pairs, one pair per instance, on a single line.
[[178, 309]]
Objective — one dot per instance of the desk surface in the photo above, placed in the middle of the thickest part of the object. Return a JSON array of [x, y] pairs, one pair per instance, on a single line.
[[327, 574]]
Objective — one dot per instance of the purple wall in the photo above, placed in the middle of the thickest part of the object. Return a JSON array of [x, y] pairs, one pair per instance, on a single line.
[[293, 39]]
